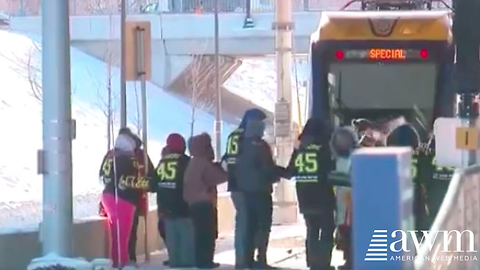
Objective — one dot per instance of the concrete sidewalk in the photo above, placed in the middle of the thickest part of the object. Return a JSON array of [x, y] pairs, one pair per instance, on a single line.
[[286, 250], [285, 242], [227, 260]]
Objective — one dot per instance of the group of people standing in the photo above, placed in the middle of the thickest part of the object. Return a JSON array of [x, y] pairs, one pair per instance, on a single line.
[[186, 188], [252, 172], [430, 181]]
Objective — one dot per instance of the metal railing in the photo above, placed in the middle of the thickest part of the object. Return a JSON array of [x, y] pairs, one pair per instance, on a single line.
[[460, 211], [112, 7]]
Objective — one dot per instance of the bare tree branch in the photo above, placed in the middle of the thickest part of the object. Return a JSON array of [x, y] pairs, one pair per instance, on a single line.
[[27, 67], [137, 118], [197, 84], [106, 95]]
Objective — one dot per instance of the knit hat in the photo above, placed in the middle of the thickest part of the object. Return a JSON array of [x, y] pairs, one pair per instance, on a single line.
[[176, 143]]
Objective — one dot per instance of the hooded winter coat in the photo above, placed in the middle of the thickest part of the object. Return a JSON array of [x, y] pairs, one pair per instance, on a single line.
[[256, 170], [232, 150], [202, 175], [120, 171]]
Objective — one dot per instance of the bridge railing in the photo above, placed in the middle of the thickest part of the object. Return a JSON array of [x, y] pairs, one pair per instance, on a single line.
[[106, 7], [460, 211]]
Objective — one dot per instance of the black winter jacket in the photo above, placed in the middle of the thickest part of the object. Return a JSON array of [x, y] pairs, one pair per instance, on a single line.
[[310, 166], [120, 171], [168, 183]]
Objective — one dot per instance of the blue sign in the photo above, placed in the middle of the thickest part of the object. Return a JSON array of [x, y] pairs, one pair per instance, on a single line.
[[382, 204]]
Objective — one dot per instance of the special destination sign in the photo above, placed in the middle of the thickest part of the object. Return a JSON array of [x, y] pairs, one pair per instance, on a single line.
[[397, 54]]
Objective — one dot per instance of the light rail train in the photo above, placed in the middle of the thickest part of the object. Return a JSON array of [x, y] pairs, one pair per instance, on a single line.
[[378, 63]]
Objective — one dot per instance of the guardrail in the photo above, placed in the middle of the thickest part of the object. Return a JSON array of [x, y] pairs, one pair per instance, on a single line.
[[111, 7], [460, 211]]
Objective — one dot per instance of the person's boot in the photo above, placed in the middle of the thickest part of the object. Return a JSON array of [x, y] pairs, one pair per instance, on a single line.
[[307, 253], [261, 242]]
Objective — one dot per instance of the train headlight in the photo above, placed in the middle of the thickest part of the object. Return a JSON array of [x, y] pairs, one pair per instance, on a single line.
[[424, 53], [339, 55]]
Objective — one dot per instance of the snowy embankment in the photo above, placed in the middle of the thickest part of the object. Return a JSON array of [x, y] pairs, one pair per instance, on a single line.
[[256, 80], [21, 118]]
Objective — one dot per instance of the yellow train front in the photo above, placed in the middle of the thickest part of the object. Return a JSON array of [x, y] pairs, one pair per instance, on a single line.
[[374, 63]]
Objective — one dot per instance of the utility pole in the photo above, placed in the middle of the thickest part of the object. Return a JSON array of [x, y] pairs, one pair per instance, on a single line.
[[123, 83], [55, 160], [218, 104], [248, 16], [467, 39], [283, 27]]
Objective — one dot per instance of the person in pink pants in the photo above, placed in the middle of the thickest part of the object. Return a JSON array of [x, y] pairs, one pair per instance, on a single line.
[[119, 173]]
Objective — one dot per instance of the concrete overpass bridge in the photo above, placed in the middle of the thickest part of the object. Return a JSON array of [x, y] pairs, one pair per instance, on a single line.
[[183, 46]]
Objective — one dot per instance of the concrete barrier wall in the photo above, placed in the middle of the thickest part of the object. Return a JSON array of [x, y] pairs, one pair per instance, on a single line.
[[17, 249]]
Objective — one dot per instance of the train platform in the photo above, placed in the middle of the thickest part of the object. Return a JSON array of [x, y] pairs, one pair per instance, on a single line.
[[286, 250]]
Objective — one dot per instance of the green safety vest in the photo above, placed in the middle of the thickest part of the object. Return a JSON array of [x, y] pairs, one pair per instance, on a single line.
[[233, 146], [442, 173], [306, 164]]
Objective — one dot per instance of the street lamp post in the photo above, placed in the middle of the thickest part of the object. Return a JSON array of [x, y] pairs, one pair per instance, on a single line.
[[56, 157]]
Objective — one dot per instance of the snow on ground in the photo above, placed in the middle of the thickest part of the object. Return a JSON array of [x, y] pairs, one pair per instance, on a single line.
[[261, 87], [21, 112], [20, 115], [52, 260]]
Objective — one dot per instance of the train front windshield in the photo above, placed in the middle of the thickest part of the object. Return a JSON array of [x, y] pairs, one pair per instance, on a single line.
[[382, 86], [373, 82]]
